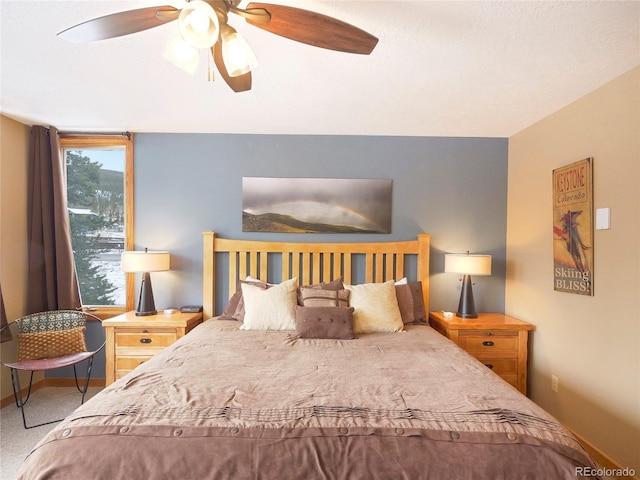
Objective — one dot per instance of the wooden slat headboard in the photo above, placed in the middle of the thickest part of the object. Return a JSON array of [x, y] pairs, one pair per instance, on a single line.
[[311, 262]]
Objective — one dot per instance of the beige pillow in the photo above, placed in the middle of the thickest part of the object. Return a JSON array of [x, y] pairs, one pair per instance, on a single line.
[[375, 308], [234, 310], [270, 308]]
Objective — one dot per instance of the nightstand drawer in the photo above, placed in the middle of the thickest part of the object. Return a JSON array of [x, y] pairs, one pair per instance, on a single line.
[[497, 340], [510, 379], [501, 366], [476, 341], [147, 338], [132, 339], [121, 373], [129, 363]]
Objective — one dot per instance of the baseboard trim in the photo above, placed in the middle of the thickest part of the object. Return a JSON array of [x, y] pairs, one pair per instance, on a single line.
[[50, 382], [10, 400], [71, 382], [602, 459]]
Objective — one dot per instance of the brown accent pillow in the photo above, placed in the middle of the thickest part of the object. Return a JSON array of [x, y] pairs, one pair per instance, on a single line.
[[35, 346], [411, 302], [234, 310], [325, 322], [316, 297], [332, 285]]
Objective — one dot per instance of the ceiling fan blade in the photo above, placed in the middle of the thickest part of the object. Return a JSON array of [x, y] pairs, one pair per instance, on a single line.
[[118, 24], [315, 29], [238, 84], [257, 15]]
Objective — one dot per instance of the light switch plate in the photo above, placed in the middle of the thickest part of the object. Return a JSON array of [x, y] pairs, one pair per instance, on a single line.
[[603, 219]]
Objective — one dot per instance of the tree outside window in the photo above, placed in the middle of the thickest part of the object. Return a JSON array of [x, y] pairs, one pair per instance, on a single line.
[[97, 196]]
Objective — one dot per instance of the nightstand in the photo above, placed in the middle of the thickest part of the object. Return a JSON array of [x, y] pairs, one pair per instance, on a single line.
[[497, 340], [132, 340]]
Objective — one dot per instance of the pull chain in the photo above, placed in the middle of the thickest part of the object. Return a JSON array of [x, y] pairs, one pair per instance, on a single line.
[[210, 70]]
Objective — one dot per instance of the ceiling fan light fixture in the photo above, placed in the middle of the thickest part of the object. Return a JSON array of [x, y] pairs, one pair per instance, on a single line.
[[181, 54], [203, 25], [198, 24], [236, 53]]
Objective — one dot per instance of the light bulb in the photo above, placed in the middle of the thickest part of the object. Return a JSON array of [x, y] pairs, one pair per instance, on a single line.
[[199, 21]]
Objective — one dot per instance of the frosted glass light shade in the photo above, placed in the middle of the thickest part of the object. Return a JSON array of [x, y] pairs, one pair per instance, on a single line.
[[236, 53], [198, 24], [467, 264], [147, 261], [181, 54]]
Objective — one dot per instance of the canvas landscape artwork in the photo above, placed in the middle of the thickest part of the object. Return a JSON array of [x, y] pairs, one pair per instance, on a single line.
[[316, 205]]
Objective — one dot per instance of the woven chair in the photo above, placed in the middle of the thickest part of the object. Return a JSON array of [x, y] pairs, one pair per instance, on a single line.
[[48, 341]]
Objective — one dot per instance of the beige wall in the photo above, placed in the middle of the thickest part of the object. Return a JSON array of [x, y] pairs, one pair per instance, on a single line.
[[14, 144], [591, 343]]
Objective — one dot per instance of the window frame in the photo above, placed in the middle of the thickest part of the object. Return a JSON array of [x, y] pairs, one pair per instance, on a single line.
[[88, 141]]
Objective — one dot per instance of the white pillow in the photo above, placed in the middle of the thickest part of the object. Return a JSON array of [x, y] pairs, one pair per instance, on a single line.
[[251, 279], [376, 307], [272, 308]]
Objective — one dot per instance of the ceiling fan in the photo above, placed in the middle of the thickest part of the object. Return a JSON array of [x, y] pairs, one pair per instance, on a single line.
[[204, 24]]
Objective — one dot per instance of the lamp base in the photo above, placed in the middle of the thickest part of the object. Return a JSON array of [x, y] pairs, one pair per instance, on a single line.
[[466, 306], [146, 305]]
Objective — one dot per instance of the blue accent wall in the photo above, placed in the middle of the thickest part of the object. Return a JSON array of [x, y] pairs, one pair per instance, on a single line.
[[453, 188]]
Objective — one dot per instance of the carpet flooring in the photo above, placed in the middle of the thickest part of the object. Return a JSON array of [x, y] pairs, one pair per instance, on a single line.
[[48, 403]]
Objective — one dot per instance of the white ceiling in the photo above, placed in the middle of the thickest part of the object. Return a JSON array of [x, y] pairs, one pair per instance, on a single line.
[[476, 68]]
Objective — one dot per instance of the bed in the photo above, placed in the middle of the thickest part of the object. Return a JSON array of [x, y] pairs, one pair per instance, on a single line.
[[251, 403]]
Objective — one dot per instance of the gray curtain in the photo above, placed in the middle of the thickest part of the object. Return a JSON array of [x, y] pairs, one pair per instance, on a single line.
[[52, 281], [6, 334]]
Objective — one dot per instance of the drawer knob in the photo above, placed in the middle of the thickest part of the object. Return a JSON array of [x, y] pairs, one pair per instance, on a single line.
[[488, 343], [488, 365], [145, 340]]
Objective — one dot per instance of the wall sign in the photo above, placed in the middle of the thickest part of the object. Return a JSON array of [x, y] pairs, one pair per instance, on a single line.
[[573, 228], [316, 205]]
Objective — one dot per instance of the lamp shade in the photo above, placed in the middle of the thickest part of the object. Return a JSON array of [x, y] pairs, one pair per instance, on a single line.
[[466, 264], [181, 54], [237, 55], [198, 24], [147, 261]]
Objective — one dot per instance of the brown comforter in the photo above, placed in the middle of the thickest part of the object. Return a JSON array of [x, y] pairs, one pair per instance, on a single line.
[[224, 403]]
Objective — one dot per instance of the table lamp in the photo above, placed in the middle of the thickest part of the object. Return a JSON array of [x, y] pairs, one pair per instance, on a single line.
[[467, 265], [145, 262]]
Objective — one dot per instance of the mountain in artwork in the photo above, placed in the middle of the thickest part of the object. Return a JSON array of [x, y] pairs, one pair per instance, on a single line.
[[274, 222]]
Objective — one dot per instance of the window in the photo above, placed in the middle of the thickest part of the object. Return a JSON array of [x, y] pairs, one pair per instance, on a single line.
[[100, 201]]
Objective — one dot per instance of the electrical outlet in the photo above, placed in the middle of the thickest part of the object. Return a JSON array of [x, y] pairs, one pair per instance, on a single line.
[[554, 383]]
